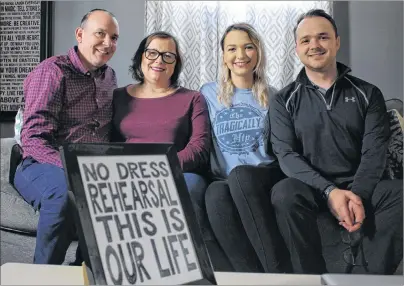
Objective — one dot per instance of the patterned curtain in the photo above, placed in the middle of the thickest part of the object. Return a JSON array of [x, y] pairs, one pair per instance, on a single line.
[[198, 27]]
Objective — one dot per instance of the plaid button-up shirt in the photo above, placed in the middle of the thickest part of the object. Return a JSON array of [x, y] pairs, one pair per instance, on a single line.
[[65, 103]]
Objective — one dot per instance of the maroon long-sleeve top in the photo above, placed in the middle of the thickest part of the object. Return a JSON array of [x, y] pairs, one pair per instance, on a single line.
[[180, 118]]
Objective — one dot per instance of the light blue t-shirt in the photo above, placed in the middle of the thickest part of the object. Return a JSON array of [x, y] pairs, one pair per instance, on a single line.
[[237, 132]]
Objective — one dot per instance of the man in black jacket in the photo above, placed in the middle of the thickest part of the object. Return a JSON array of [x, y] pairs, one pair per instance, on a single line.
[[330, 132]]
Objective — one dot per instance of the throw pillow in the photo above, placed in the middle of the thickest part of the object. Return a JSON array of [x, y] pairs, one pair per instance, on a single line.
[[18, 125], [394, 165]]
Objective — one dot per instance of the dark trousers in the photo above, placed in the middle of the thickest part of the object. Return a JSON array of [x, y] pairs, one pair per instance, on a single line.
[[242, 219], [297, 207], [197, 186], [44, 187]]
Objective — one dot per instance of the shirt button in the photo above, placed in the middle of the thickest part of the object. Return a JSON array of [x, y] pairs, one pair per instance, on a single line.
[[88, 73]]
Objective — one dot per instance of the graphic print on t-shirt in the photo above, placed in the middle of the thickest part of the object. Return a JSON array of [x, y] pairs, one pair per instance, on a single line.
[[238, 129]]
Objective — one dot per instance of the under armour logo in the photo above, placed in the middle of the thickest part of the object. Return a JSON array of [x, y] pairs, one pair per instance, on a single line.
[[352, 99]]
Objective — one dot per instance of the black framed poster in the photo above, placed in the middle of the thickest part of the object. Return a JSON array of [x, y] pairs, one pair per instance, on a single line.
[[136, 223], [25, 40]]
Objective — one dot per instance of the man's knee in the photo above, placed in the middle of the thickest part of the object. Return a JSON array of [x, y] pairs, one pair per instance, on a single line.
[[55, 200], [389, 192], [393, 187], [286, 193]]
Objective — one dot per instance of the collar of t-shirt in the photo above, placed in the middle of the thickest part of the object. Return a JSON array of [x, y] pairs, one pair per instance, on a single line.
[[323, 91]]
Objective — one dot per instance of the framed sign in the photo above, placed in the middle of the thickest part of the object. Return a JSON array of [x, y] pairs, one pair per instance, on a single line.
[[25, 40], [136, 223]]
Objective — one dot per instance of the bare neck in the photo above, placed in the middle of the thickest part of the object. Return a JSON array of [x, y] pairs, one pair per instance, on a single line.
[[148, 90], [83, 60], [243, 82]]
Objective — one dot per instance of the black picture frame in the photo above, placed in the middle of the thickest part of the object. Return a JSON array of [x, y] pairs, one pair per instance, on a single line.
[[86, 234], [46, 38]]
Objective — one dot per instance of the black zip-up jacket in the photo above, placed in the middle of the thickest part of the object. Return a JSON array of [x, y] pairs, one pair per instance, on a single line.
[[339, 139]]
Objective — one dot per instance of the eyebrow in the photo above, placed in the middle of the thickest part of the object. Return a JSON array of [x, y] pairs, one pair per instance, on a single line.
[[105, 31], [233, 45], [319, 34]]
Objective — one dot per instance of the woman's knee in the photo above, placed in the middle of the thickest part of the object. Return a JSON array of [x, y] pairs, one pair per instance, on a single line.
[[216, 194], [196, 185], [195, 182], [242, 171]]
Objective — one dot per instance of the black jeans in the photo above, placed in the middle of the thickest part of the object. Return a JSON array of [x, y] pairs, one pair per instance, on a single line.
[[242, 219], [297, 206]]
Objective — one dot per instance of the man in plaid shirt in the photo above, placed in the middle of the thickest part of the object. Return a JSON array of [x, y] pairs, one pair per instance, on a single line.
[[68, 98]]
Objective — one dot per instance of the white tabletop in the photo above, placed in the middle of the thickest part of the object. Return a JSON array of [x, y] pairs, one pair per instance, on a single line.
[[231, 278], [34, 274]]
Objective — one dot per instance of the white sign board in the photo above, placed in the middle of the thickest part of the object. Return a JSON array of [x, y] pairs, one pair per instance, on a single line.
[[138, 220]]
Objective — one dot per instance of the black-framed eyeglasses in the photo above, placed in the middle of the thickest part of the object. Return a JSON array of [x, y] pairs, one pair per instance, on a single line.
[[354, 240], [167, 57]]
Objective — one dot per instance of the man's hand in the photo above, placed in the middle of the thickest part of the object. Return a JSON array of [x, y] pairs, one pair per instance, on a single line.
[[357, 213], [347, 208]]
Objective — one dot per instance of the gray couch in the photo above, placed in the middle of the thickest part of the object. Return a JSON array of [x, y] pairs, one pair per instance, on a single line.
[[18, 219], [18, 228]]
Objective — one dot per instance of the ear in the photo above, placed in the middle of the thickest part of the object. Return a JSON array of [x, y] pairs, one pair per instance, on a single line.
[[338, 42], [79, 34]]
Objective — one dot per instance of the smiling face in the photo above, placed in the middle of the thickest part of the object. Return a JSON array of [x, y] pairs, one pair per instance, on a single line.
[[317, 44], [240, 55], [97, 39], [157, 71]]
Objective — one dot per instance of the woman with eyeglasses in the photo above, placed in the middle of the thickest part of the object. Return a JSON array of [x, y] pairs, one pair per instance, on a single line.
[[237, 202], [157, 109]]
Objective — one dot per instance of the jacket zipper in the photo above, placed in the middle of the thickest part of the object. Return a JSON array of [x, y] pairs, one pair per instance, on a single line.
[[328, 106]]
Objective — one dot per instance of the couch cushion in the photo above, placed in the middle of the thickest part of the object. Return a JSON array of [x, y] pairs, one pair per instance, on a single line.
[[16, 214]]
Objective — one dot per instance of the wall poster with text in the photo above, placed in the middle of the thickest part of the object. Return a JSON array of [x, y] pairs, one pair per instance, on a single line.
[[25, 40]]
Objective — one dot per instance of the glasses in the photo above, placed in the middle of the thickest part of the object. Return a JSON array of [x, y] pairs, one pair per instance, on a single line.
[[167, 57], [350, 254]]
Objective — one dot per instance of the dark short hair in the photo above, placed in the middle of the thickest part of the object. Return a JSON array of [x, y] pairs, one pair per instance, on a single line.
[[136, 67], [85, 17], [316, 13]]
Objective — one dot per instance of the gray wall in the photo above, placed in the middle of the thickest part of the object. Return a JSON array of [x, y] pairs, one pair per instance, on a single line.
[[372, 42], [371, 39]]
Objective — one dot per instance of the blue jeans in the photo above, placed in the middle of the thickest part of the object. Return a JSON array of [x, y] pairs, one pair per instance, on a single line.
[[197, 186], [44, 187]]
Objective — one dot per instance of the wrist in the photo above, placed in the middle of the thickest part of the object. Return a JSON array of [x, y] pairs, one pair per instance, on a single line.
[[327, 191]]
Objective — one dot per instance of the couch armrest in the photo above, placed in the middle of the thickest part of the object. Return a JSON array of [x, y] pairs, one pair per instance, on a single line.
[[15, 159]]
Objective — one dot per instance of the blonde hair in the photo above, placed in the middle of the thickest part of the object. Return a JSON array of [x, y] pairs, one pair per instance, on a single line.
[[260, 86]]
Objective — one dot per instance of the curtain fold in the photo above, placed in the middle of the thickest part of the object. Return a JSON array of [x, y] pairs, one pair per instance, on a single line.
[[198, 27]]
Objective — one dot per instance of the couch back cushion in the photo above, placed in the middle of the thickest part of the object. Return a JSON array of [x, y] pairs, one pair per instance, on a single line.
[[15, 213]]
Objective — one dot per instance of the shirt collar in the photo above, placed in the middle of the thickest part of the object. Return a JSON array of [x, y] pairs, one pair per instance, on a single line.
[[342, 70], [75, 59]]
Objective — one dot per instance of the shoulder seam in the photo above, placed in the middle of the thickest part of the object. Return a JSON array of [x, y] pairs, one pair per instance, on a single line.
[[290, 97]]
